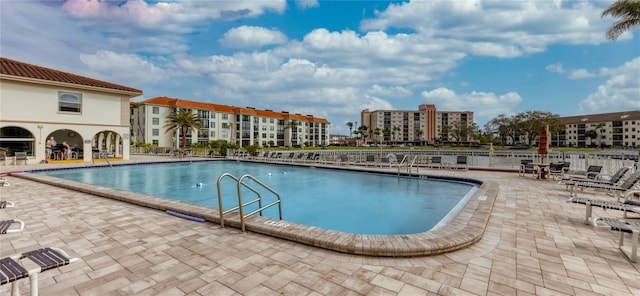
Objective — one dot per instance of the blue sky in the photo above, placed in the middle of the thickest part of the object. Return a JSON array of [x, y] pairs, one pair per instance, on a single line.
[[333, 59]]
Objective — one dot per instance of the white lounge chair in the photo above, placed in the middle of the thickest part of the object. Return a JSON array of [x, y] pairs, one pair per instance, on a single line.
[[30, 265], [6, 226], [624, 226]]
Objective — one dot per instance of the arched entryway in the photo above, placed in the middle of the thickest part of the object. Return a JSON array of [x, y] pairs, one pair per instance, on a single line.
[[108, 142], [17, 139], [68, 145]]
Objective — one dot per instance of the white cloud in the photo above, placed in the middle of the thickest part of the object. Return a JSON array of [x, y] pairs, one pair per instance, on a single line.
[[254, 37], [485, 105], [581, 74], [555, 68], [497, 28], [174, 16], [620, 92], [306, 4], [128, 69]]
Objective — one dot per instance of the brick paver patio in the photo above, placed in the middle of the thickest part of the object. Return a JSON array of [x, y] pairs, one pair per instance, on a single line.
[[535, 244]]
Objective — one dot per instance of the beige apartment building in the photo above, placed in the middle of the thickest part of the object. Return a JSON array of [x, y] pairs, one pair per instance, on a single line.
[[617, 129], [416, 127], [241, 125]]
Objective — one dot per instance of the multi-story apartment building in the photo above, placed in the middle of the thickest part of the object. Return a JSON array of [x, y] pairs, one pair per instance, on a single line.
[[241, 125], [424, 125], [618, 129]]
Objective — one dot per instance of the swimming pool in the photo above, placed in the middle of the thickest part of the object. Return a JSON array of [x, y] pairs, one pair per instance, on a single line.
[[353, 202]]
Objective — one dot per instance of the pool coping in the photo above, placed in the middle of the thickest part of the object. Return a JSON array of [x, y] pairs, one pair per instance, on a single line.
[[465, 230]]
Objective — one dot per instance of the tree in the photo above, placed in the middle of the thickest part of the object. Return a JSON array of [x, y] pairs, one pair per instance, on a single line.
[[387, 133], [591, 134], [377, 132], [350, 126], [629, 13], [183, 120], [600, 131], [139, 133], [393, 132], [293, 126], [419, 136]]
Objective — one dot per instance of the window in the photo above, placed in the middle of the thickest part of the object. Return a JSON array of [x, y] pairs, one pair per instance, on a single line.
[[225, 116], [69, 102], [155, 132], [224, 134], [156, 110], [213, 134], [155, 142], [213, 115], [213, 124], [155, 120]]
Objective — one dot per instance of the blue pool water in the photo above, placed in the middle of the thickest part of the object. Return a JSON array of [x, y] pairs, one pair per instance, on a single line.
[[354, 202]]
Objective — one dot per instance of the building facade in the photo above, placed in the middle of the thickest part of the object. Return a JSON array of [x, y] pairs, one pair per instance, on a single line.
[[38, 103], [425, 125], [618, 129], [243, 126]]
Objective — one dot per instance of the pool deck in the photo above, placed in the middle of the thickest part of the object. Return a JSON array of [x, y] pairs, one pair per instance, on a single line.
[[534, 243]]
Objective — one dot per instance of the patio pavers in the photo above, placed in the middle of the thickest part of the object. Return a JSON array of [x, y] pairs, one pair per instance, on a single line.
[[535, 243]]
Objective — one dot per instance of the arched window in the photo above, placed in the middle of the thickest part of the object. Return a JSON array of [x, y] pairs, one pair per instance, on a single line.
[[14, 138]]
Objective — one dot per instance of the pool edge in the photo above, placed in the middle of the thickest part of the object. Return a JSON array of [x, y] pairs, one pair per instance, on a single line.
[[465, 230]]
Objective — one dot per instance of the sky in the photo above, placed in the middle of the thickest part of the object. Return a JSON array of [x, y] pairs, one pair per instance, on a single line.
[[332, 59]]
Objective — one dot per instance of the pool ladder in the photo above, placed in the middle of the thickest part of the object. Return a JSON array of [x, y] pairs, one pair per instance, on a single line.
[[241, 203]]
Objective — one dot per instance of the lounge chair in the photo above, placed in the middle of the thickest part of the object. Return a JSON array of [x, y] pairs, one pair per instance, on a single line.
[[435, 162], [6, 204], [558, 169], [4, 182], [624, 226], [37, 261], [592, 172], [627, 185], [21, 155], [344, 160], [5, 226], [626, 207], [614, 179], [461, 162]]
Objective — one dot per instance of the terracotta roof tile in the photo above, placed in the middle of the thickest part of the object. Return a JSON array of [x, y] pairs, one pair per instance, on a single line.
[[173, 102], [10, 67]]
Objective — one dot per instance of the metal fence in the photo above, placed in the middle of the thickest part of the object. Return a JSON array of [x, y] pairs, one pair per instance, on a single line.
[[485, 159]]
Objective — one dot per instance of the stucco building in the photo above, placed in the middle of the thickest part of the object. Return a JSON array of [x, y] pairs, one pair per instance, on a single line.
[[424, 125], [617, 129], [37, 103], [241, 125]]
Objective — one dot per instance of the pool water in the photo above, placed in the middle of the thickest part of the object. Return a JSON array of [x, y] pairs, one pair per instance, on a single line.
[[354, 202]]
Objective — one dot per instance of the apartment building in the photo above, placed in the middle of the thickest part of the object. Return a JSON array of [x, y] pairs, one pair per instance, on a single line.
[[618, 129], [424, 125], [241, 125]]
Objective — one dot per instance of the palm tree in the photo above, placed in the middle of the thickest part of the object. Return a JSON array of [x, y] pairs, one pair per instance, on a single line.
[[293, 125], [629, 13], [350, 126], [183, 120], [600, 131], [419, 135], [393, 132]]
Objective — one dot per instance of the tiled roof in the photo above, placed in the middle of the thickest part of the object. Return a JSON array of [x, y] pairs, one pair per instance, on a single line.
[[602, 117], [173, 102], [14, 68]]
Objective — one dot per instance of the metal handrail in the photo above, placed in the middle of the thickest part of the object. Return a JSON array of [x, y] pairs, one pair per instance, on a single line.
[[242, 204]]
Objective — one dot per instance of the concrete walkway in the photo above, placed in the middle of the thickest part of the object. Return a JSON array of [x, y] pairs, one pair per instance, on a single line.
[[535, 244]]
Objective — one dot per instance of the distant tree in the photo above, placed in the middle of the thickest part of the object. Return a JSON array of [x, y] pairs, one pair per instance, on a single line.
[[599, 129], [395, 130], [292, 125], [628, 11], [377, 132], [591, 134], [419, 133], [350, 126], [387, 133], [183, 120]]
